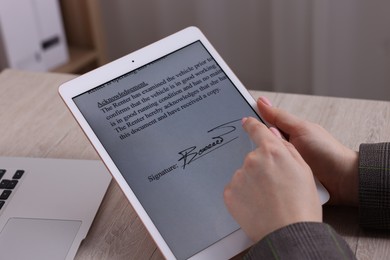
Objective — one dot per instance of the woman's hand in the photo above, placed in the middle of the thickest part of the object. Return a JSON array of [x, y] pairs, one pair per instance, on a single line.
[[274, 187], [335, 165]]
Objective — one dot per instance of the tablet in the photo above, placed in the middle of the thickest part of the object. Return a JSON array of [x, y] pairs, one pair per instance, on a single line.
[[166, 121]]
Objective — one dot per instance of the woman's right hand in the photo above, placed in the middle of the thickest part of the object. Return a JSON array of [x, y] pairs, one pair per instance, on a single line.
[[335, 165]]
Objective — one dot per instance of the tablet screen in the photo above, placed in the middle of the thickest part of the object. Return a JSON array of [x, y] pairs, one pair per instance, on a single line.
[[173, 129]]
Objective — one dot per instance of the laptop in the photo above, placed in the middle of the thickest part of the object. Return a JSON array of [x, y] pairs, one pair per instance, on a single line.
[[47, 205]]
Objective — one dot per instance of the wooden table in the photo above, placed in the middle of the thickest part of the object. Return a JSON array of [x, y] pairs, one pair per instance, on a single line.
[[35, 123]]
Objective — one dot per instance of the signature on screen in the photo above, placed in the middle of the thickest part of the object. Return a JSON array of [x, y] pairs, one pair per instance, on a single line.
[[221, 135]]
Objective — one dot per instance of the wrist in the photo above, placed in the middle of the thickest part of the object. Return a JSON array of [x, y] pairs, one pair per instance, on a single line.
[[349, 186]]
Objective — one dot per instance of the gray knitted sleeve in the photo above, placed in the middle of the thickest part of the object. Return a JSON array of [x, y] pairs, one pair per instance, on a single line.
[[304, 240], [374, 185]]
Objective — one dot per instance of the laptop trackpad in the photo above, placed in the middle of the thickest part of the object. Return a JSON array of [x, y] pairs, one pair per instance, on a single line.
[[23, 238]]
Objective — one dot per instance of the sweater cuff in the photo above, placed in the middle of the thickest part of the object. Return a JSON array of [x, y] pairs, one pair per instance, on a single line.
[[304, 240], [374, 185]]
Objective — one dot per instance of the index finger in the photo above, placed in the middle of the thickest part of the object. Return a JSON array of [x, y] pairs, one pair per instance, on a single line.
[[256, 130], [279, 118]]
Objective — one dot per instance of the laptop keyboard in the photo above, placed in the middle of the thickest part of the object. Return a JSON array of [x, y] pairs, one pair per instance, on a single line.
[[8, 183]]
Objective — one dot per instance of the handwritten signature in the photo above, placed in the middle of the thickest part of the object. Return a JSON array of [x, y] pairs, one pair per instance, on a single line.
[[192, 153]]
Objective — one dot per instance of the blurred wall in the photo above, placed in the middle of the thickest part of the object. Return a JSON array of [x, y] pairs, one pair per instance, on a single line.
[[337, 48], [324, 47], [239, 32]]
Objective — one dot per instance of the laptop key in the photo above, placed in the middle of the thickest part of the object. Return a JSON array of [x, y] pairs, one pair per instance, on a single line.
[[12, 184], [2, 202], [18, 174], [2, 172], [4, 183], [5, 194]]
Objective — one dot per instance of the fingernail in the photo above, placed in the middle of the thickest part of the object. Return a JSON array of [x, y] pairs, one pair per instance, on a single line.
[[275, 131], [265, 101], [243, 120]]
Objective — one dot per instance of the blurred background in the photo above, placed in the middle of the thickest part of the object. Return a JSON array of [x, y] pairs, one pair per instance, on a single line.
[[323, 47]]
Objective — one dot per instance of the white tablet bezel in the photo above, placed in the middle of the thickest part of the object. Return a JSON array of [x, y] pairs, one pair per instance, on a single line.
[[226, 247]]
